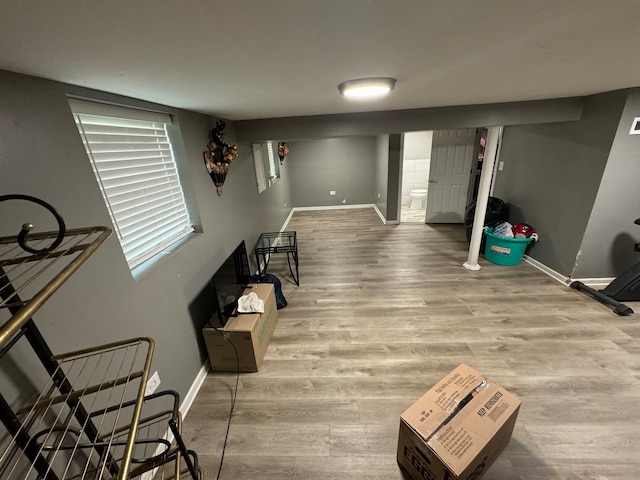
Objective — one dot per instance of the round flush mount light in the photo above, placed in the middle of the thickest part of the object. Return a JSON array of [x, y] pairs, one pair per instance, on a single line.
[[367, 87]]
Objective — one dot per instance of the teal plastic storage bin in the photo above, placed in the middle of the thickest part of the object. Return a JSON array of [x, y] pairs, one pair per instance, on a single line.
[[503, 250]]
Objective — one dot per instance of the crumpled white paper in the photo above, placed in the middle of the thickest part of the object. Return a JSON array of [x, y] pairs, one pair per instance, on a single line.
[[505, 229], [250, 303]]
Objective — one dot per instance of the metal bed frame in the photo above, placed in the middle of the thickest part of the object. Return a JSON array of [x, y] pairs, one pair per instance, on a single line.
[[90, 418]]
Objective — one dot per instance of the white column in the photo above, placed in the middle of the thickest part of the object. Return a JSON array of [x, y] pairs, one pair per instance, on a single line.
[[490, 151]]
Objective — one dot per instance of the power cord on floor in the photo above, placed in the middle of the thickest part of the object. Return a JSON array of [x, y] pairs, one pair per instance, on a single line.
[[225, 335]]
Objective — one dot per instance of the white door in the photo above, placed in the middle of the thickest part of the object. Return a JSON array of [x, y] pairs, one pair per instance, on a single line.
[[451, 160]]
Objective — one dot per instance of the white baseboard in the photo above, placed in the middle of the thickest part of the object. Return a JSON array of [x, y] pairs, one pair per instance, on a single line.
[[544, 269], [590, 282], [184, 409], [384, 220], [333, 207], [342, 207], [597, 283], [288, 219], [187, 401]]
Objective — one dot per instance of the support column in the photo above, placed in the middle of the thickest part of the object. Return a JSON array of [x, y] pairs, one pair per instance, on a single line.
[[491, 150]]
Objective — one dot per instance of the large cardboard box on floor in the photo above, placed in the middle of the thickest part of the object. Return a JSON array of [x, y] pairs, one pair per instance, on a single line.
[[458, 428], [250, 333]]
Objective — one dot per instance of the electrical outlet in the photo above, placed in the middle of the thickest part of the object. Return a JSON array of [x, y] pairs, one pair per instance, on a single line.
[[152, 384], [332, 192]]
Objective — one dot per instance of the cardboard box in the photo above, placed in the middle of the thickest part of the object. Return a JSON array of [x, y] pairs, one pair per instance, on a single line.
[[458, 428], [250, 333]]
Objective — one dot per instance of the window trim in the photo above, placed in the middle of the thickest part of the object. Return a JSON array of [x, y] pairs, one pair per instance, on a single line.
[[258, 163], [157, 173], [266, 167]]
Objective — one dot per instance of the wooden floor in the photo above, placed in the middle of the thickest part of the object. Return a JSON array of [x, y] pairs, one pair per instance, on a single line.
[[381, 314]]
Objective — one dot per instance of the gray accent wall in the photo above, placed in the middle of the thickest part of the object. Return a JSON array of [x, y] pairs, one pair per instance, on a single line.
[[610, 235], [41, 154], [361, 170], [396, 146], [552, 175], [382, 173], [344, 165]]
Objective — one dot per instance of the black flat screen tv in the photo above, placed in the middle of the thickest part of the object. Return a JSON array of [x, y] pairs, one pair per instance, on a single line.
[[229, 283]]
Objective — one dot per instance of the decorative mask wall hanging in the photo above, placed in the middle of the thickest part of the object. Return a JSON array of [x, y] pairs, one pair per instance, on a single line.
[[283, 151], [218, 156]]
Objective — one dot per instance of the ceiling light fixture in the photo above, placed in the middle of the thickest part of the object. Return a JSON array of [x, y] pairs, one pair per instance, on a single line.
[[367, 87]]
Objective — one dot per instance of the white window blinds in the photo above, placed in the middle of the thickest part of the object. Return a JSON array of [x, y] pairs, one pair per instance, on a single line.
[[272, 162], [134, 164]]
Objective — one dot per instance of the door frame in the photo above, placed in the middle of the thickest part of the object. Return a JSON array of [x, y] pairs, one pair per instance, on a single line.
[[471, 194]]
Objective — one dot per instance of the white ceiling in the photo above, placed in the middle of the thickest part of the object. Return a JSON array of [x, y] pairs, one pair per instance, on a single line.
[[248, 59]]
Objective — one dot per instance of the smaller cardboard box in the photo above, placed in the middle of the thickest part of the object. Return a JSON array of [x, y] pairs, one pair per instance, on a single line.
[[250, 333], [458, 428]]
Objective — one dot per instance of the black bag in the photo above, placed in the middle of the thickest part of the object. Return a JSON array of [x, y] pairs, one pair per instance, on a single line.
[[281, 302], [497, 212]]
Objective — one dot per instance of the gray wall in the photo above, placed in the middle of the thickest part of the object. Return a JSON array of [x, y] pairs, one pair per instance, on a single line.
[[345, 165], [552, 174], [357, 168], [41, 154], [303, 129], [382, 123], [610, 234], [569, 170], [382, 173], [396, 146]]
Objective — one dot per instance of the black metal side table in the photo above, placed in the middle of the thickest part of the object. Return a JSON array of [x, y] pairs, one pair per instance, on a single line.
[[278, 242]]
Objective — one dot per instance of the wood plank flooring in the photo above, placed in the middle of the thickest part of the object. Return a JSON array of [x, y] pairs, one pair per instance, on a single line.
[[381, 314]]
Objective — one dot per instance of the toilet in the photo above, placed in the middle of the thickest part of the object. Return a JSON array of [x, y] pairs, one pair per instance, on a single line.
[[417, 196]]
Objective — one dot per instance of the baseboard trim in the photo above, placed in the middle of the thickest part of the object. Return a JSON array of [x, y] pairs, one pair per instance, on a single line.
[[287, 220], [590, 282], [189, 398], [597, 283], [341, 207], [384, 220], [544, 269], [184, 409], [333, 207]]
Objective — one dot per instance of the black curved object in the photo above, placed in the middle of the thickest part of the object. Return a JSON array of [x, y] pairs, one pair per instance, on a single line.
[[26, 228], [601, 296], [624, 288]]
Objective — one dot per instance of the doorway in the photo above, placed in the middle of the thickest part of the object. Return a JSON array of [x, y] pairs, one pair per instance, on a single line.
[[440, 173], [416, 159]]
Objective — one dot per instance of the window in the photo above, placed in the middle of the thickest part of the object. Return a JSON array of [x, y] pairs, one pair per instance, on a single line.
[[267, 171], [258, 164], [273, 168], [132, 158]]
